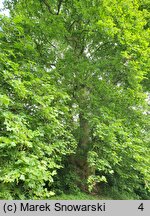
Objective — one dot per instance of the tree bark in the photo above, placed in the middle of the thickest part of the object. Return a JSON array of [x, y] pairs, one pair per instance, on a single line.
[[84, 132], [84, 140]]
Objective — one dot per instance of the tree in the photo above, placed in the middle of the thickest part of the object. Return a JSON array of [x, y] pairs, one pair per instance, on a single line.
[[34, 135], [98, 53]]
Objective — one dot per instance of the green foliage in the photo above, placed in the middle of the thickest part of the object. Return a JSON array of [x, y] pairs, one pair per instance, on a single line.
[[67, 181], [34, 135], [93, 180], [74, 74], [124, 160]]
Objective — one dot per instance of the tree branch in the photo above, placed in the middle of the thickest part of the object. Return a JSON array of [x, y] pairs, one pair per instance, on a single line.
[[48, 6], [59, 6]]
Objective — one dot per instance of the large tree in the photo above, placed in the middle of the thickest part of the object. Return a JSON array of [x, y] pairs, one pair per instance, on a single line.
[[97, 52]]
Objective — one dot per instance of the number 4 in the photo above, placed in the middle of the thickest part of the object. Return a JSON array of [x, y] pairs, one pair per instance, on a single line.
[[141, 207]]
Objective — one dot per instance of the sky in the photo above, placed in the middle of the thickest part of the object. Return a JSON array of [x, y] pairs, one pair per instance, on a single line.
[[5, 12]]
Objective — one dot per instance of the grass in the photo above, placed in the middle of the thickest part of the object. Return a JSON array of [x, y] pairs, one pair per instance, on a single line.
[[112, 195], [80, 196]]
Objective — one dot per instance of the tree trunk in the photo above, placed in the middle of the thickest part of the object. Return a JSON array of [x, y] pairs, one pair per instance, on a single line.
[[84, 132], [84, 140]]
